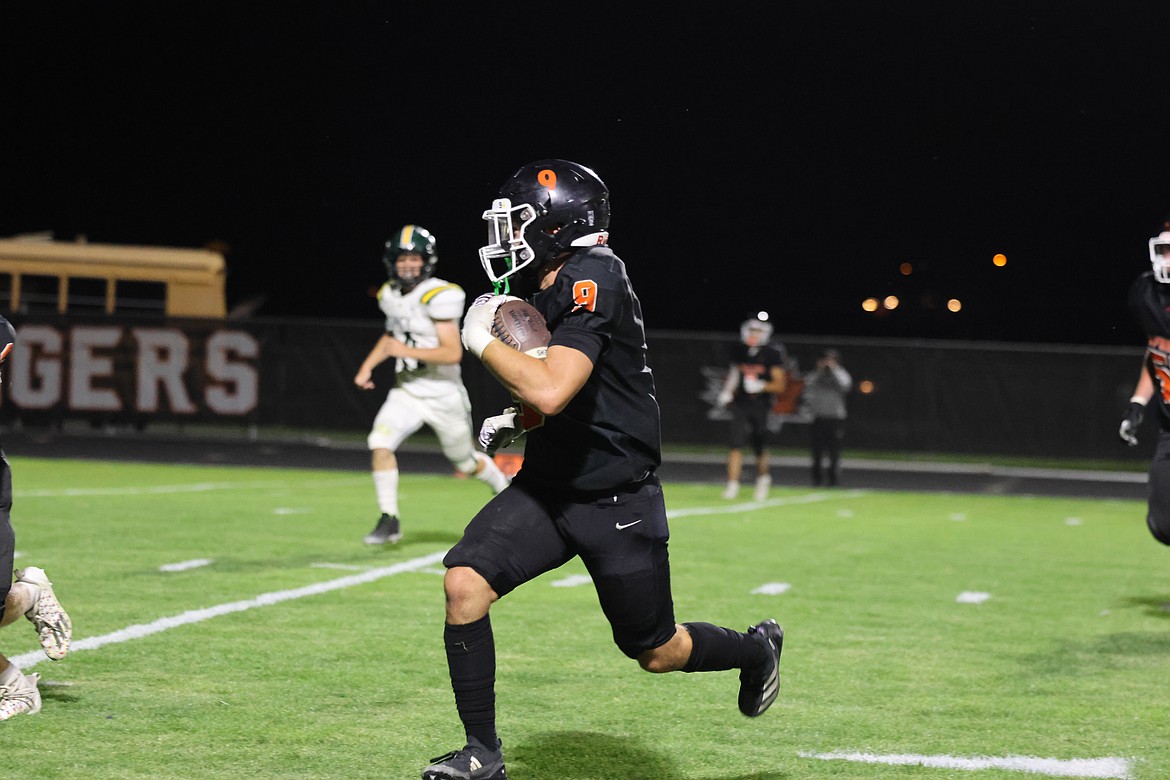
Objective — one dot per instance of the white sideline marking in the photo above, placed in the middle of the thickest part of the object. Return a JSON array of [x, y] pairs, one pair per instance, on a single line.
[[287, 510], [972, 597], [772, 588], [198, 487], [1072, 521], [808, 498], [194, 563], [1115, 768], [28, 660], [572, 581]]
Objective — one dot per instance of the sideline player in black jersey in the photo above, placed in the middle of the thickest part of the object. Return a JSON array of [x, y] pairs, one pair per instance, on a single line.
[[755, 376], [588, 486], [31, 595], [1149, 299]]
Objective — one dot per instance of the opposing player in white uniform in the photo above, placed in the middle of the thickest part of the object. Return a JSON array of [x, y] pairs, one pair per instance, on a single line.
[[422, 334]]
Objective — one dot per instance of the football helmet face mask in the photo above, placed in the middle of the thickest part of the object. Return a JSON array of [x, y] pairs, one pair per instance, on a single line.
[[544, 209], [1160, 256], [410, 240], [756, 331]]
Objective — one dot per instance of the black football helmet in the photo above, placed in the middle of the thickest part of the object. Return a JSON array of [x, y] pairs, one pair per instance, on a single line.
[[411, 239], [545, 208]]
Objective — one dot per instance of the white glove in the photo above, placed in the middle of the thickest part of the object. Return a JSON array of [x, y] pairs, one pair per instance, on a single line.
[[753, 384], [1131, 423], [500, 431], [477, 324], [724, 399]]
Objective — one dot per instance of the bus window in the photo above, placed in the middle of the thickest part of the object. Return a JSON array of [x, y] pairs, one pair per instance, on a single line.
[[49, 276], [86, 295], [132, 297], [39, 294], [5, 292]]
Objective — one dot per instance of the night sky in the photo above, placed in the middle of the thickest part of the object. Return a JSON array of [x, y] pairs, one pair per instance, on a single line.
[[760, 155]]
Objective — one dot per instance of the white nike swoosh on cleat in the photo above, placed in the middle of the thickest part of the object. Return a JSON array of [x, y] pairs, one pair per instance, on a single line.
[[620, 527]]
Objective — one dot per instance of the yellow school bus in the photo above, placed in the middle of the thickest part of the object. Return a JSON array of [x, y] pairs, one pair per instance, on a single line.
[[58, 277]]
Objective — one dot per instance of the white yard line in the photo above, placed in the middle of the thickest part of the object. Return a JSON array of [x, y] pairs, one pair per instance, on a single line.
[[1112, 768], [198, 487], [729, 509], [28, 660], [194, 563]]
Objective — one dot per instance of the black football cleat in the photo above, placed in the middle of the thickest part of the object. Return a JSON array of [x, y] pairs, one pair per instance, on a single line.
[[474, 762], [387, 530], [759, 687]]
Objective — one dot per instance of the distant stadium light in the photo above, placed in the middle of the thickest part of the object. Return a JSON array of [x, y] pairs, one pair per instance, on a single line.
[[870, 304], [906, 269], [1000, 260], [954, 304], [890, 302], [865, 387]]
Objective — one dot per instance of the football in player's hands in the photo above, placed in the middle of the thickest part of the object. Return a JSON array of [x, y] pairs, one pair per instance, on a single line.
[[518, 324]]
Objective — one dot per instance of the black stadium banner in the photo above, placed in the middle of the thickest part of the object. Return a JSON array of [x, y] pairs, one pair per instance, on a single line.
[[909, 395], [134, 370], [288, 373]]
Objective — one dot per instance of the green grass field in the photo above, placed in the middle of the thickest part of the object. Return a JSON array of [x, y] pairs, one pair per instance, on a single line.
[[295, 651]]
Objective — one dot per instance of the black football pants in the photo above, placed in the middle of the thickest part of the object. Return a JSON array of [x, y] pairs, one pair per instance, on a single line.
[[7, 536]]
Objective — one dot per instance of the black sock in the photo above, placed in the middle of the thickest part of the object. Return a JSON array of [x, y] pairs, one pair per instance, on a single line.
[[715, 649], [471, 658]]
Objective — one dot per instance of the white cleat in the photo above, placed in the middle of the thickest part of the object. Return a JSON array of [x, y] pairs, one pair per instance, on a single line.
[[21, 697], [52, 623]]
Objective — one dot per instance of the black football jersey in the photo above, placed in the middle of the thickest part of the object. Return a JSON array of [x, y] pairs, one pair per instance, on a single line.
[[1149, 300], [754, 363], [610, 434]]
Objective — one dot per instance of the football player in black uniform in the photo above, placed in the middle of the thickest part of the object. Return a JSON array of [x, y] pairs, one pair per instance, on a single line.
[[588, 486], [1149, 299], [31, 595], [755, 376]]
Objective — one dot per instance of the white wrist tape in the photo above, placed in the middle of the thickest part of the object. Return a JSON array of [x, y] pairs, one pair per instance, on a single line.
[[476, 340]]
